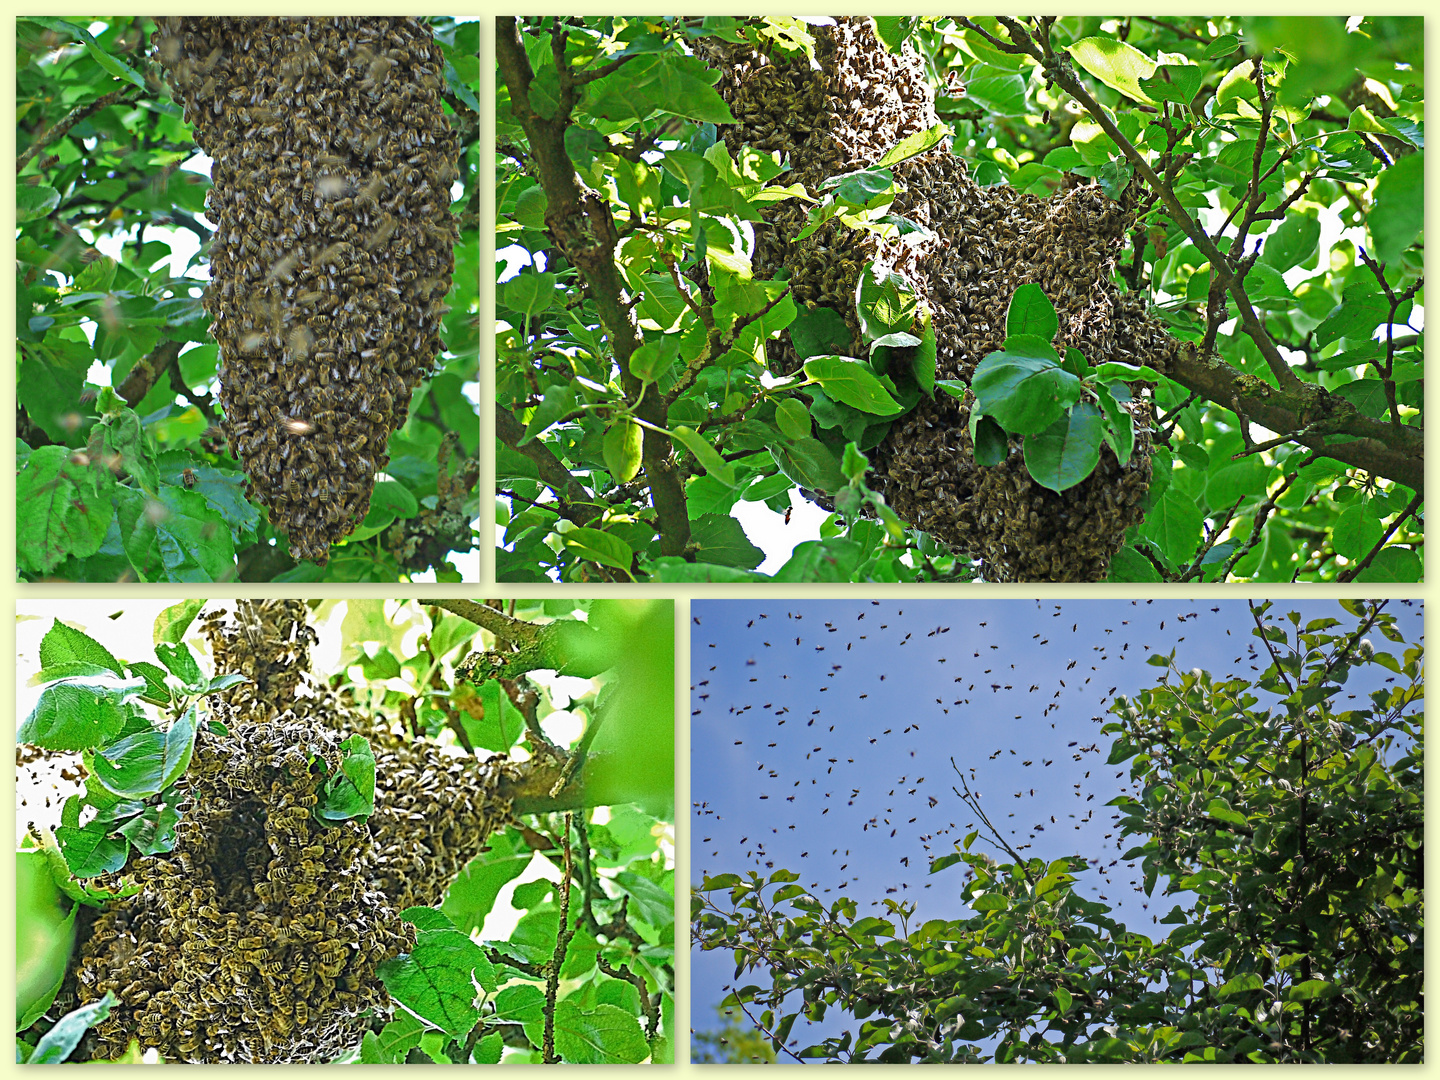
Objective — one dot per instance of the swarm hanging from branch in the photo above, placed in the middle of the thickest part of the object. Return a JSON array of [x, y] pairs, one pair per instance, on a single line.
[[256, 939], [987, 241], [334, 245]]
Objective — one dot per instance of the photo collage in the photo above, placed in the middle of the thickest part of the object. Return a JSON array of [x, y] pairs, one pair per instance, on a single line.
[[913, 555]]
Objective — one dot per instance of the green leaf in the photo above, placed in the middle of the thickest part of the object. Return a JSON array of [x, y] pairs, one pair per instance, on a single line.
[[622, 450], [60, 1041], [600, 547], [1399, 210], [181, 662], [78, 713], [1367, 395], [559, 400], [884, 301], [1174, 525], [1068, 450], [501, 723], [992, 445], [810, 464], [1312, 989], [395, 1040], [1116, 64], [990, 902], [1357, 315], [350, 792], [1357, 530], [721, 540], [435, 981], [1292, 243], [1119, 425], [1393, 564], [1031, 312], [1173, 82], [171, 624], [64, 645], [605, 1035], [146, 762], [64, 509], [653, 903], [472, 895], [1223, 811], [1112, 371], [820, 331], [89, 852], [1248, 477], [175, 537], [1023, 385], [1241, 984], [1223, 45], [706, 454], [912, 145], [792, 418]]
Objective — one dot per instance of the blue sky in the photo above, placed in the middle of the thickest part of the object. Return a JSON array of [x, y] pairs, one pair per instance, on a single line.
[[831, 756]]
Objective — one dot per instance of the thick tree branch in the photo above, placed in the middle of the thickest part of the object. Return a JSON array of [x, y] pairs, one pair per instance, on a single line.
[[584, 229], [566, 645], [1317, 419]]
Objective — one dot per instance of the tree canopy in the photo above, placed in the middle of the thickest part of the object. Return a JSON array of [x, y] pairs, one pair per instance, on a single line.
[[1288, 821], [714, 292], [123, 474]]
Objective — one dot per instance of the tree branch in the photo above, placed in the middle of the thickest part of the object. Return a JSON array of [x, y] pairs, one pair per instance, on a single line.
[[73, 117], [574, 504], [584, 228]]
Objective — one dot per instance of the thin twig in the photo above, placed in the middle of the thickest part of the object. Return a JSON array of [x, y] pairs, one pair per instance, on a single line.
[[563, 934], [73, 117], [1414, 504]]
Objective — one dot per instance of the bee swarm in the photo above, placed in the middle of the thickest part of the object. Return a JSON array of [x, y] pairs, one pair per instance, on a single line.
[[333, 249], [986, 242], [256, 939]]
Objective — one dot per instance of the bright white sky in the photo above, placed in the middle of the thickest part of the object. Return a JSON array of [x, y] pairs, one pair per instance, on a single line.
[[857, 724]]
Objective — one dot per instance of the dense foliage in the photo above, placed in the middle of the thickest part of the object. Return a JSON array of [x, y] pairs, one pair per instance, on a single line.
[[584, 972], [1272, 170], [122, 472], [1290, 820]]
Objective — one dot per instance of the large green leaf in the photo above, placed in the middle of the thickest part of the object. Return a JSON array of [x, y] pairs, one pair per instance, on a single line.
[[1118, 65], [64, 508], [851, 381], [437, 980], [605, 1035], [1023, 385], [1399, 210], [722, 540], [78, 713], [1068, 450]]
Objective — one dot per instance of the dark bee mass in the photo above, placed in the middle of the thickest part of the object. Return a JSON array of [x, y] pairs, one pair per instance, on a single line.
[[333, 248], [985, 243], [257, 938]]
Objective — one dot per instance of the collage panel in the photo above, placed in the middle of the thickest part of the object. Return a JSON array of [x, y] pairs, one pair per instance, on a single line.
[[1062, 831], [348, 831], [948, 299], [247, 299]]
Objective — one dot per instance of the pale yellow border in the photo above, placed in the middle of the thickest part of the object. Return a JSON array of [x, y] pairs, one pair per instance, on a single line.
[[682, 594]]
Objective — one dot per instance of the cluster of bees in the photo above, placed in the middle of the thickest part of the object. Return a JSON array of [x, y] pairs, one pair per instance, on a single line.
[[334, 244], [985, 242], [257, 938]]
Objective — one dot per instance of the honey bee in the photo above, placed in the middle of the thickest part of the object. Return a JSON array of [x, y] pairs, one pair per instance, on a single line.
[[187, 477]]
